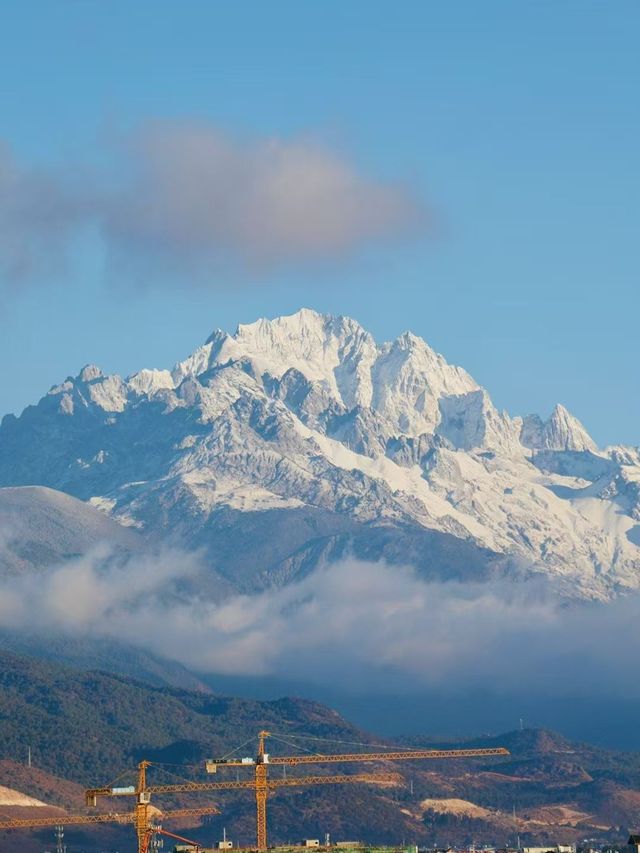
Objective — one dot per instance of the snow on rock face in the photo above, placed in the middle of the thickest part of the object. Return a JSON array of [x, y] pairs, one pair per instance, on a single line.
[[149, 381], [334, 351], [309, 418], [91, 388], [470, 421], [561, 432], [409, 378], [90, 372], [195, 364], [108, 393], [401, 381]]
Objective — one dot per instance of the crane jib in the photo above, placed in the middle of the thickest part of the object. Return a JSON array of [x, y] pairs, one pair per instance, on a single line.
[[390, 756], [405, 755], [262, 784]]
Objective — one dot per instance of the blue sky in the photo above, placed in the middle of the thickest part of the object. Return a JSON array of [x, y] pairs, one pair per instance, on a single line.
[[516, 125]]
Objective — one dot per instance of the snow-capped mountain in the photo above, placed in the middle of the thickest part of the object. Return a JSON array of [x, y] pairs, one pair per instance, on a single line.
[[299, 439]]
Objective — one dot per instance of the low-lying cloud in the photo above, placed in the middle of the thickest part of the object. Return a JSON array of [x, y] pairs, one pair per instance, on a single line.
[[350, 625], [184, 198]]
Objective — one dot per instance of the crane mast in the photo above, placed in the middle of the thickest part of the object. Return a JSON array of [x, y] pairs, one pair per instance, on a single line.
[[261, 795], [262, 783], [144, 823], [261, 786]]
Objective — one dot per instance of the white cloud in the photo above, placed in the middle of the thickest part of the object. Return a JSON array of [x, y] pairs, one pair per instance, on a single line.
[[40, 210], [181, 199], [195, 191], [350, 625]]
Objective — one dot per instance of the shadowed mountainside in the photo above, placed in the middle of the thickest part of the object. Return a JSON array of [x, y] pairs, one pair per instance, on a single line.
[[86, 728]]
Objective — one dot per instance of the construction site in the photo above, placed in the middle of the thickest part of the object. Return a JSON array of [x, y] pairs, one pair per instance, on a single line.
[[136, 799]]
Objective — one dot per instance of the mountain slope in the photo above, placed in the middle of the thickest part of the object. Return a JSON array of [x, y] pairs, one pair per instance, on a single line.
[[87, 725], [85, 728], [305, 436], [41, 527]]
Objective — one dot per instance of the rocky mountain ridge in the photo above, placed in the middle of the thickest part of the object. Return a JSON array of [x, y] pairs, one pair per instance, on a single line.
[[305, 437]]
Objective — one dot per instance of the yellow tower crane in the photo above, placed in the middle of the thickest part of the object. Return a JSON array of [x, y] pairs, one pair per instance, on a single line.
[[143, 791], [261, 782], [143, 818]]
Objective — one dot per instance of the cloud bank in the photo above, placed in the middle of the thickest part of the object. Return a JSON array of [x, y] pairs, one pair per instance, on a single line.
[[353, 625], [186, 198]]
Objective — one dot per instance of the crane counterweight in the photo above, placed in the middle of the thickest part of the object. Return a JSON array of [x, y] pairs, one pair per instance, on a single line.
[[262, 784]]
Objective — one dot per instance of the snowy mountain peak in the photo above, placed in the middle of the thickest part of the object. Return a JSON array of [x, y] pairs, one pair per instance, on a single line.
[[411, 387], [321, 340], [149, 382], [318, 438], [562, 431], [89, 373], [566, 431], [303, 324], [408, 339], [402, 381]]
